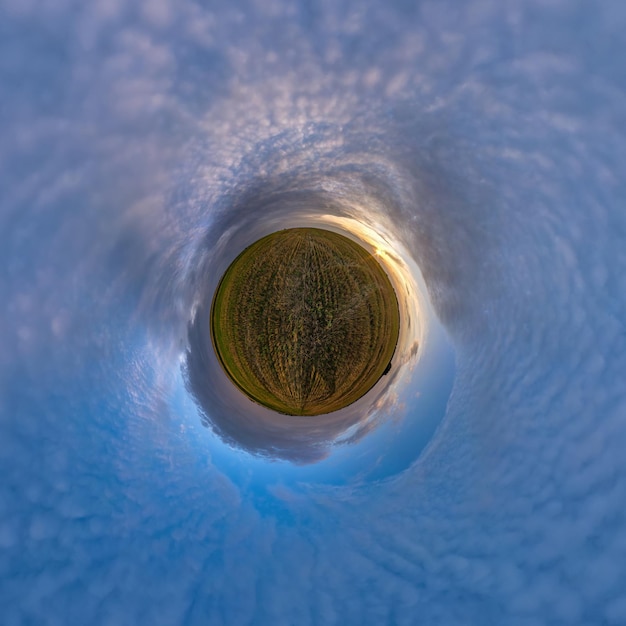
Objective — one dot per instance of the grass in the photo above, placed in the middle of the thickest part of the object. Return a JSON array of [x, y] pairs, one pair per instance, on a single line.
[[305, 321]]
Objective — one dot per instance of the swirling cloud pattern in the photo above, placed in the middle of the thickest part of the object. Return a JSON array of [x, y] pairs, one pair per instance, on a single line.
[[486, 137]]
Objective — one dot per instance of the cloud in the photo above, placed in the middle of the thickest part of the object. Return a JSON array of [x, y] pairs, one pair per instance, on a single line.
[[493, 136]]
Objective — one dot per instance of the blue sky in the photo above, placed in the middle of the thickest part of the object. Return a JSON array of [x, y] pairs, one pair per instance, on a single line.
[[488, 137]]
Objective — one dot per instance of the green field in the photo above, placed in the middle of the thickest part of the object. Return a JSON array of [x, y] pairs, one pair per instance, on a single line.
[[305, 321]]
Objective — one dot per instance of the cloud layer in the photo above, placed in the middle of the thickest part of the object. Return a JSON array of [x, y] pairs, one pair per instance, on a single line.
[[495, 134]]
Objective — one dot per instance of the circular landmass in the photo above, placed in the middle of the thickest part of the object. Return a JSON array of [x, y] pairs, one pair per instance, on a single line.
[[305, 321]]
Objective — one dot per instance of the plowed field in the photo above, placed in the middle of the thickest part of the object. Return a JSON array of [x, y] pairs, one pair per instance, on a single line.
[[305, 321]]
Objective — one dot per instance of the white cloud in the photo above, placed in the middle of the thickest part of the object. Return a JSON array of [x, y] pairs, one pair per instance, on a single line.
[[496, 132]]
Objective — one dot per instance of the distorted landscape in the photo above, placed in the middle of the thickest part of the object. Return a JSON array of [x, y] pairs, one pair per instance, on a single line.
[[305, 321]]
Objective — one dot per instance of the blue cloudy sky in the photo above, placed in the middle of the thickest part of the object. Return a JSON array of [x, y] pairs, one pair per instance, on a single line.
[[487, 137]]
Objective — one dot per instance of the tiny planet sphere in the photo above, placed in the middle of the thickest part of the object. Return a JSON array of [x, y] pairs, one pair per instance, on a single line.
[[305, 321]]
